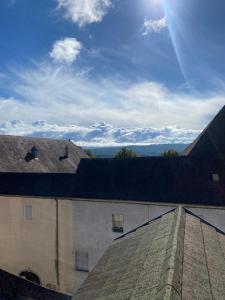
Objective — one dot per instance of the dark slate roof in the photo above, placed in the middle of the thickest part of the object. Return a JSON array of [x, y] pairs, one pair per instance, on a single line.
[[13, 287], [176, 256], [211, 142], [15, 155]]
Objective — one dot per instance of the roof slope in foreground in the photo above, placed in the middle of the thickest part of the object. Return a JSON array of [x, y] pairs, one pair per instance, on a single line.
[[177, 256], [16, 155]]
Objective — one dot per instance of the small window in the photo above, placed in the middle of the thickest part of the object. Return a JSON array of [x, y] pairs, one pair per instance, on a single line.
[[117, 222], [28, 212], [81, 260], [215, 177]]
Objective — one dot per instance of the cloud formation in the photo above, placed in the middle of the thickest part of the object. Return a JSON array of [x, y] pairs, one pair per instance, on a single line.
[[66, 50], [100, 134], [83, 12], [151, 25], [143, 112]]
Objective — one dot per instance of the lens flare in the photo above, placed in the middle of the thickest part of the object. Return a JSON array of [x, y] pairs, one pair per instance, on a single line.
[[176, 33]]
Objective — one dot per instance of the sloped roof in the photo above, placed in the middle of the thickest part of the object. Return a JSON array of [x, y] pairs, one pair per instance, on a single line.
[[13, 287], [176, 256], [15, 152], [211, 142]]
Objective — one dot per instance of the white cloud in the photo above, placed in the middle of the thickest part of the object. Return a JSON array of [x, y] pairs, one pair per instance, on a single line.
[[156, 26], [84, 12], [100, 134], [144, 112], [66, 50]]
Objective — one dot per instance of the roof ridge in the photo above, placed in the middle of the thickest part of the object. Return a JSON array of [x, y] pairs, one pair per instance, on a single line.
[[170, 282], [35, 138]]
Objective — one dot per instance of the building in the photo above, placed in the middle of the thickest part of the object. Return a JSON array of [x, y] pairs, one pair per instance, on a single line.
[[35, 232], [176, 256], [62, 222]]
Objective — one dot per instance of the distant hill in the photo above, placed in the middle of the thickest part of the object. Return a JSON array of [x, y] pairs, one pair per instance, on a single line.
[[145, 150]]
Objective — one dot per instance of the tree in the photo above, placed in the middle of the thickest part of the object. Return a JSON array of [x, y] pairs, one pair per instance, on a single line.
[[170, 153], [89, 153], [125, 153]]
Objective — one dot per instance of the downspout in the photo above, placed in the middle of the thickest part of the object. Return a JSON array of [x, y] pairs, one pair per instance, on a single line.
[[57, 244]]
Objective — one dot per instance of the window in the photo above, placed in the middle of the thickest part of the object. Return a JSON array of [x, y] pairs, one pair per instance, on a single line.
[[81, 261], [215, 177], [28, 212], [117, 222]]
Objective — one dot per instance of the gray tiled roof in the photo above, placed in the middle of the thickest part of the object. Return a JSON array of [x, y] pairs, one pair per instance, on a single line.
[[15, 151], [177, 256]]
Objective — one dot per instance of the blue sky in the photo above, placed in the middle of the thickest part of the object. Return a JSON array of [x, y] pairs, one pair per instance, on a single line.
[[110, 71]]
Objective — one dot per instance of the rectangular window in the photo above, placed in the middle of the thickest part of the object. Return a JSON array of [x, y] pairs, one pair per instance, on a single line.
[[117, 222], [28, 212], [81, 261], [215, 177]]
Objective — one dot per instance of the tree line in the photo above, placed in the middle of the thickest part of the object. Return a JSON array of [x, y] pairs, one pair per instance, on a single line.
[[125, 152]]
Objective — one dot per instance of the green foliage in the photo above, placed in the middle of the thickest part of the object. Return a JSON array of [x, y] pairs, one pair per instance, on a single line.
[[125, 153], [170, 153], [89, 153]]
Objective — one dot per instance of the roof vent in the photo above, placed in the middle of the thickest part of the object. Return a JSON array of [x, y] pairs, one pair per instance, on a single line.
[[66, 154], [32, 154]]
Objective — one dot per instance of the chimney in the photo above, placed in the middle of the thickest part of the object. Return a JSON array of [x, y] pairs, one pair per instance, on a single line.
[[66, 152]]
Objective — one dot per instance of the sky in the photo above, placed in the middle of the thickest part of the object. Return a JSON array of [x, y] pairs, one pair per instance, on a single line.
[[111, 72]]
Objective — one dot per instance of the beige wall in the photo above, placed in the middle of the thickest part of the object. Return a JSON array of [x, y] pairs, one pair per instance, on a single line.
[[32, 244], [66, 257]]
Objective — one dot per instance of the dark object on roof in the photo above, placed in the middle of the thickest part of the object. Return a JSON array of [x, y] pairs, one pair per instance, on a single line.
[[27, 154], [33, 154], [177, 256], [15, 288], [66, 154]]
